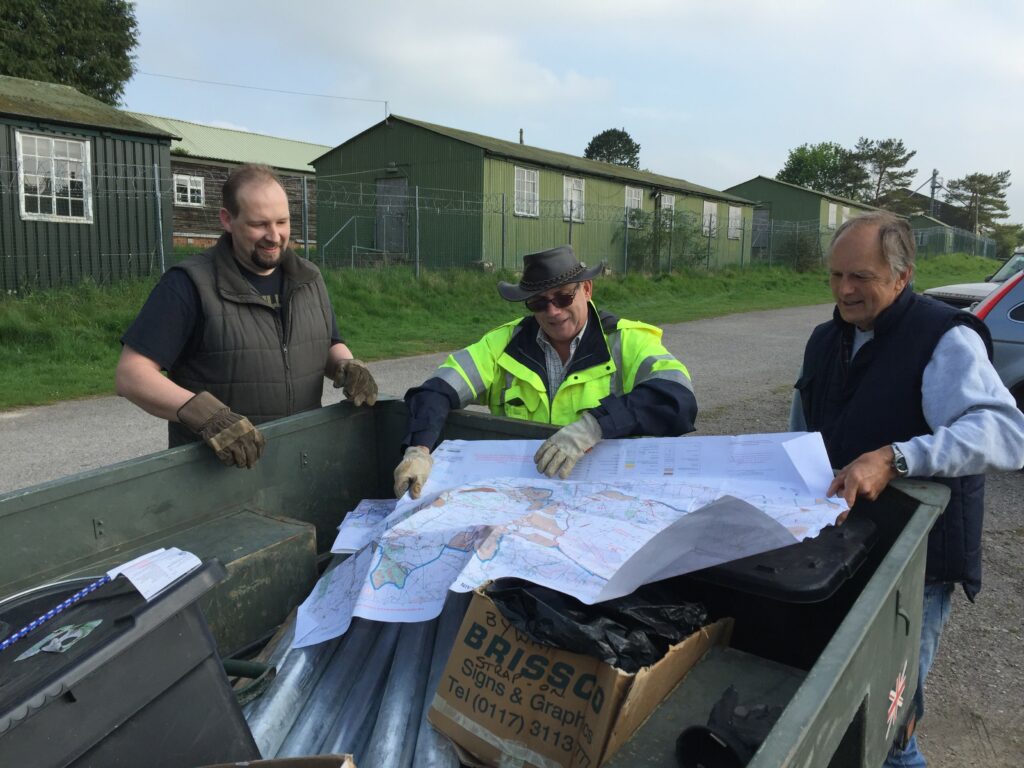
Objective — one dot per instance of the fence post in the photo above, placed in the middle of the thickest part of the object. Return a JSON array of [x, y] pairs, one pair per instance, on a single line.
[[159, 215], [502, 230], [355, 243], [626, 243], [712, 224], [417, 190], [771, 240], [671, 233], [743, 239], [305, 220]]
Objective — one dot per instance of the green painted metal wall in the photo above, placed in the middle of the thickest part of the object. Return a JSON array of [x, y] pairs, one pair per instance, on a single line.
[[603, 234], [797, 212], [446, 218], [122, 241], [455, 204], [784, 202], [844, 211]]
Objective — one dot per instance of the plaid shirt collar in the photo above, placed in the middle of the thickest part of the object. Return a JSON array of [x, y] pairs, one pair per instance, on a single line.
[[553, 364]]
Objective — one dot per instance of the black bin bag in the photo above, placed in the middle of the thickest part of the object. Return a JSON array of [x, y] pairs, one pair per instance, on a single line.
[[629, 632]]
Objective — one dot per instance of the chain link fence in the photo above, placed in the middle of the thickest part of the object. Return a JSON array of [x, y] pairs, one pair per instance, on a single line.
[[389, 224], [376, 225]]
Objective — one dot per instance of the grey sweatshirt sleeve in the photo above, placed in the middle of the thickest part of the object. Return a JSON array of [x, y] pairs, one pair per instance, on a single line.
[[975, 421]]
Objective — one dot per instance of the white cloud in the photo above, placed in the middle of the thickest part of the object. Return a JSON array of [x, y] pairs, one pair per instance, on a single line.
[[714, 92]]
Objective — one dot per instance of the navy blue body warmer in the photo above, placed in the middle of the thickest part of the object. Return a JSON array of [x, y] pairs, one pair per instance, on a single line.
[[873, 400]]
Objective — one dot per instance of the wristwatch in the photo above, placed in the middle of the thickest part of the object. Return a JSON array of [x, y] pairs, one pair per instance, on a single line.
[[899, 462]]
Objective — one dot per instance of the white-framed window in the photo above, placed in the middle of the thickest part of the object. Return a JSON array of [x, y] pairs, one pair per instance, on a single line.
[[667, 205], [527, 192], [634, 205], [572, 198], [831, 215], [53, 178], [846, 214], [709, 222], [189, 190], [735, 222]]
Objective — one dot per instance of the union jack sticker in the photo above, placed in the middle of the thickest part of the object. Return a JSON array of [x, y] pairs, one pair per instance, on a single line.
[[896, 698]]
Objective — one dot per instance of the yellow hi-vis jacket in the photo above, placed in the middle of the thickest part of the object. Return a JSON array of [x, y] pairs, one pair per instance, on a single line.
[[505, 371]]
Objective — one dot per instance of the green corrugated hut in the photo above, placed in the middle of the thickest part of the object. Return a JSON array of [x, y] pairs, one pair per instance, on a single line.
[[409, 191], [84, 189]]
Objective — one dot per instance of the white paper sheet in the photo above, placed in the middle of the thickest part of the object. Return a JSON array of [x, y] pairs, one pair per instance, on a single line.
[[634, 511], [362, 525], [155, 571]]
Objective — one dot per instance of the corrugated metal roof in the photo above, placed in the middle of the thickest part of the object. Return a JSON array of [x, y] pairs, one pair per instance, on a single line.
[[561, 160], [63, 104], [210, 143], [826, 195]]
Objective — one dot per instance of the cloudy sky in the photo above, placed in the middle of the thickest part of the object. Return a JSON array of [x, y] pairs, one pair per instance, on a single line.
[[714, 92]]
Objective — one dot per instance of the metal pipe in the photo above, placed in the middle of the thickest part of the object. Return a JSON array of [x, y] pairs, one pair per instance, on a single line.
[[332, 691], [391, 745], [283, 646], [432, 749], [354, 723], [273, 714]]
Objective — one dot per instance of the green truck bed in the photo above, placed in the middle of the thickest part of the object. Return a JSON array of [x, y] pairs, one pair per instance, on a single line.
[[832, 664]]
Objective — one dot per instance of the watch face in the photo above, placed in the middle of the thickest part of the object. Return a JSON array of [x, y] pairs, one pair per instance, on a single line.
[[899, 463]]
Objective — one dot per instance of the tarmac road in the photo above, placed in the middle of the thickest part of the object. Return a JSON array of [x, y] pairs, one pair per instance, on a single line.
[[743, 367]]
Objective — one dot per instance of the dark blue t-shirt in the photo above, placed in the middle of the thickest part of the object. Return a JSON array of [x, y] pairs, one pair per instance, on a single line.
[[170, 324]]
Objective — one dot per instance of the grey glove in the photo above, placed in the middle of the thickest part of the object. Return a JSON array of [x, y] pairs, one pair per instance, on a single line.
[[233, 438], [563, 449], [357, 380], [412, 472]]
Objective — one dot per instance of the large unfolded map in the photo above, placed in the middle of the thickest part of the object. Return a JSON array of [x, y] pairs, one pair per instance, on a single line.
[[634, 511]]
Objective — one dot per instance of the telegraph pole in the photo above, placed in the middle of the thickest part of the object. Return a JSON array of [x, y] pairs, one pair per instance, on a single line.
[[935, 185]]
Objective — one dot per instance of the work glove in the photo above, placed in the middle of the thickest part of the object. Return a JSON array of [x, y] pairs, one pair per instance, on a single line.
[[232, 437], [413, 470], [563, 449], [357, 380]]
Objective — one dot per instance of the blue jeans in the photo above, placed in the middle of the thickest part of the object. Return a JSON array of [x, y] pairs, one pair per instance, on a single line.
[[933, 619]]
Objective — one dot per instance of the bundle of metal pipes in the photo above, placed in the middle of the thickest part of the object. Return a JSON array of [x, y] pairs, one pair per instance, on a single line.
[[366, 693]]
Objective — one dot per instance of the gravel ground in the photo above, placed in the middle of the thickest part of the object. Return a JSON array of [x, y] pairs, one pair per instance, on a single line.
[[743, 367]]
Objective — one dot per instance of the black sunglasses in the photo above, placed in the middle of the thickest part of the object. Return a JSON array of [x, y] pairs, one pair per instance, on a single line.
[[560, 300]]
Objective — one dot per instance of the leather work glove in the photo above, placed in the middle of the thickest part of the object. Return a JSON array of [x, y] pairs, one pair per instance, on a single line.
[[233, 438], [413, 470], [563, 449], [357, 380]]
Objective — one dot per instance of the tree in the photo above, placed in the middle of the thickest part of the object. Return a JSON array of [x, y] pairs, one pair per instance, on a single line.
[[614, 146], [885, 161], [86, 44], [983, 195], [825, 167], [1008, 238]]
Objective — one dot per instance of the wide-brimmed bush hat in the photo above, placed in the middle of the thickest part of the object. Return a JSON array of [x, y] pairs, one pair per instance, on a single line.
[[546, 270]]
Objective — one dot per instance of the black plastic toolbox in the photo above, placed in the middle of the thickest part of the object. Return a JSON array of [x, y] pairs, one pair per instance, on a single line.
[[123, 682]]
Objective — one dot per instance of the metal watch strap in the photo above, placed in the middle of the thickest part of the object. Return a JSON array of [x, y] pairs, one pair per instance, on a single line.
[[899, 462]]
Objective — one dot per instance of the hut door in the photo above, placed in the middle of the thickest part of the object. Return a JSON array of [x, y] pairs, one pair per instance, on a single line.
[[392, 199]]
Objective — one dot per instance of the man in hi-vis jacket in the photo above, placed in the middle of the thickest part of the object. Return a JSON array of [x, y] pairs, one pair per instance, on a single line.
[[567, 363]]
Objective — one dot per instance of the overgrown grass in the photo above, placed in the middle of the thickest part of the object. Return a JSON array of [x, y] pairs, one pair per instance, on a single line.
[[63, 344]]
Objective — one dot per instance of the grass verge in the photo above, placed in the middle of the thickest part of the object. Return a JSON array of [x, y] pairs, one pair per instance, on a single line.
[[63, 344]]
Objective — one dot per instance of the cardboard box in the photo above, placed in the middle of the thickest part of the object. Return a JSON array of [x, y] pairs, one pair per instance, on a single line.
[[503, 695]]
